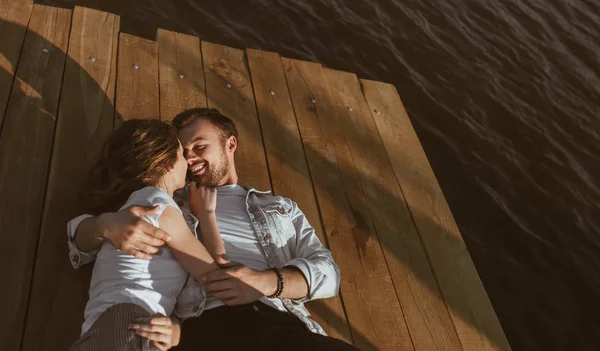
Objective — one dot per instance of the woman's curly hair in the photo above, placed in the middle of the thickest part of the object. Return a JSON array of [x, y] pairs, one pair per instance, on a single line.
[[136, 155]]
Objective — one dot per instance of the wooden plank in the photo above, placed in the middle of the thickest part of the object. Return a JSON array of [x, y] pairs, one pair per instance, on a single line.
[[14, 16], [374, 313], [86, 116], [229, 90], [473, 315], [426, 314], [182, 83], [137, 79], [25, 148], [287, 164]]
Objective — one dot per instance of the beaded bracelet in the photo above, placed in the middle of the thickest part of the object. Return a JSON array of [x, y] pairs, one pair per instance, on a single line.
[[279, 290]]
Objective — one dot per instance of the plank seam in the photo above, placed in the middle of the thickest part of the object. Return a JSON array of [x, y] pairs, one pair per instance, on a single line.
[[15, 69], [203, 72], [360, 183], [41, 219], [160, 117], [117, 114], [325, 236], [413, 220], [247, 64]]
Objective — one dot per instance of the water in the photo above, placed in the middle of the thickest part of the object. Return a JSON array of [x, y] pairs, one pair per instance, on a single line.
[[504, 96]]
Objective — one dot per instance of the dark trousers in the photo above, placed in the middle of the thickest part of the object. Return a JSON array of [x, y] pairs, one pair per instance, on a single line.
[[252, 327]]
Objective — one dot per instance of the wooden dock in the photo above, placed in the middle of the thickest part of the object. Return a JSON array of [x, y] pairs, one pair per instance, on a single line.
[[342, 147]]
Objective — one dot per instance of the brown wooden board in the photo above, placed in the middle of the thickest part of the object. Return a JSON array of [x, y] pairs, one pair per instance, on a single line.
[[25, 148], [85, 119], [181, 73], [426, 314], [473, 315], [287, 165], [374, 313], [229, 90], [137, 79], [14, 16]]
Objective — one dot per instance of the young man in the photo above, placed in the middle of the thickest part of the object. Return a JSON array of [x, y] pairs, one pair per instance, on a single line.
[[279, 263]]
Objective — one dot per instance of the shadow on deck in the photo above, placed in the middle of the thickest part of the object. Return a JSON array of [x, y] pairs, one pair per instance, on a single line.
[[343, 148]]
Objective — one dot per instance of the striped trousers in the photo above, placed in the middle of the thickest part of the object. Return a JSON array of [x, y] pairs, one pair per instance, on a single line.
[[110, 332]]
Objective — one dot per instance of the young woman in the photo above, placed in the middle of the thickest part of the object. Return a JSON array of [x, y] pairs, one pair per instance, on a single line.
[[142, 163]]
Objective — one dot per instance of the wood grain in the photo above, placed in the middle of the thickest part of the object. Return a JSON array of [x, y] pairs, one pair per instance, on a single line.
[[137, 79], [287, 165], [426, 314], [14, 16], [85, 119], [182, 83], [225, 66], [374, 313], [25, 148], [473, 315]]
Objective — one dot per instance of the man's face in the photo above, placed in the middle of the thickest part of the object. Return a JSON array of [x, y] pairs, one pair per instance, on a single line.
[[204, 151]]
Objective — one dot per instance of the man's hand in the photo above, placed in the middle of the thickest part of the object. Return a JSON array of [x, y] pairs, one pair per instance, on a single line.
[[131, 234], [164, 332], [239, 284]]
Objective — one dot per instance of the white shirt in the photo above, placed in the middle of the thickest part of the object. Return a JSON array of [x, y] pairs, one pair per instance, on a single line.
[[121, 278], [286, 238], [240, 240]]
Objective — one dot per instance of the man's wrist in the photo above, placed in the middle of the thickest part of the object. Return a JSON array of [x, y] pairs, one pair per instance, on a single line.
[[101, 227], [271, 282]]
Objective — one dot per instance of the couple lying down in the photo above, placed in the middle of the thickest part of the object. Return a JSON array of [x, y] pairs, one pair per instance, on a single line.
[[185, 257]]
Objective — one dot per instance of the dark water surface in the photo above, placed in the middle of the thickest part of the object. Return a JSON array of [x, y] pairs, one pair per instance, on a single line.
[[505, 97]]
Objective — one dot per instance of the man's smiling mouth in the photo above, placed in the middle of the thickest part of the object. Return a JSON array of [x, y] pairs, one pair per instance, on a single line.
[[198, 168]]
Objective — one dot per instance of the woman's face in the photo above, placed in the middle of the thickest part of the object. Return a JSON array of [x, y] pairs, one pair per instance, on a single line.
[[180, 169]]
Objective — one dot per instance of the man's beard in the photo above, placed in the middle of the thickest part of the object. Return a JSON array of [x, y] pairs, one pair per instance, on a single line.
[[213, 176]]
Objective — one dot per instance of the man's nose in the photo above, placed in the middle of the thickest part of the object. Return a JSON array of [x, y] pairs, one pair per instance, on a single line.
[[191, 158]]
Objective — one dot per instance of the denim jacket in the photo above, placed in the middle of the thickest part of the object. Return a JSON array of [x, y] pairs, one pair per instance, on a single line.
[[286, 237]]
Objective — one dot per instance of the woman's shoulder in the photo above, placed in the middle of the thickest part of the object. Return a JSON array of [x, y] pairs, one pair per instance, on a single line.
[[150, 196]]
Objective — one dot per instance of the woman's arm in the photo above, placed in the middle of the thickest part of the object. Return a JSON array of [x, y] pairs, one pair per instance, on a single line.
[[188, 250], [124, 229], [203, 202]]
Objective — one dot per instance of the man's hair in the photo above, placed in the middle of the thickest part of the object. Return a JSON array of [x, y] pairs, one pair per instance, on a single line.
[[224, 124]]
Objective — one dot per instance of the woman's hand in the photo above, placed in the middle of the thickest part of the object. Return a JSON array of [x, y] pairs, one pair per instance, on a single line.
[[164, 332], [203, 200]]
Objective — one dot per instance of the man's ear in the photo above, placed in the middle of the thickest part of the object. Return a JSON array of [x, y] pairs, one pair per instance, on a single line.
[[232, 144]]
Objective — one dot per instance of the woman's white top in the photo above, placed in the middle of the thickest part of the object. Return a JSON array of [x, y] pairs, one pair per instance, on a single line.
[[121, 278]]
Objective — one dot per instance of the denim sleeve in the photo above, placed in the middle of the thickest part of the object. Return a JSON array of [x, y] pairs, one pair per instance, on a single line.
[[313, 259], [78, 258]]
